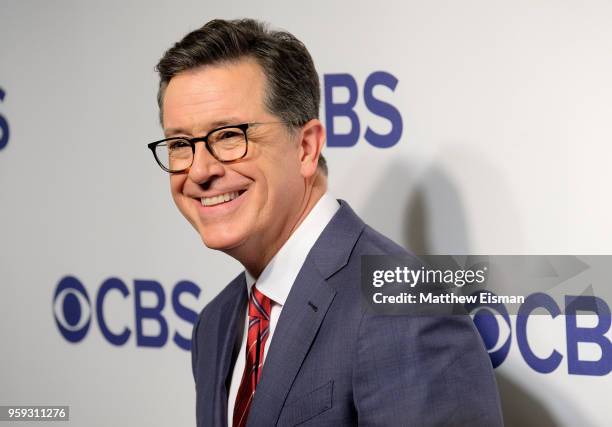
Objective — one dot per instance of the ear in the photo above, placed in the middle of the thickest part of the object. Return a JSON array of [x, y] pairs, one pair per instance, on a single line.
[[312, 139]]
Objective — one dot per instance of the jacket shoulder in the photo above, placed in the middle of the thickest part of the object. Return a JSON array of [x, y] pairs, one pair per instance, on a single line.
[[372, 242]]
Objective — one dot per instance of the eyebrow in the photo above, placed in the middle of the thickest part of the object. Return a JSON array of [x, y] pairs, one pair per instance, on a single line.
[[216, 124]]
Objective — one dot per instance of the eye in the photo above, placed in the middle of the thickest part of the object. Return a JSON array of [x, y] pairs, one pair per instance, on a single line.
[[71, 309], [177, 144], [228, 134]]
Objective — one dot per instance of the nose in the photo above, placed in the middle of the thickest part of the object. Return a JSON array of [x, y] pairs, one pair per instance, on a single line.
[[204, 167]]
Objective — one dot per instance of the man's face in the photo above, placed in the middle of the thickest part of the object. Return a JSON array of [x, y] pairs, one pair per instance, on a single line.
[[267, 181]]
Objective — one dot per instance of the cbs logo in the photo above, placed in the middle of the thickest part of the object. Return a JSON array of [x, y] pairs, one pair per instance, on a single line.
[[493, 323], [495, 327], [152, 324], [72, 309]]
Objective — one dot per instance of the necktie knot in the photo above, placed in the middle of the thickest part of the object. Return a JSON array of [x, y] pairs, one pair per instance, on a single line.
[[259, 304]]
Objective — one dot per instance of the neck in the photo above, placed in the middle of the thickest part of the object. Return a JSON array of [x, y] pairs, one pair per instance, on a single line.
[[255, 259]]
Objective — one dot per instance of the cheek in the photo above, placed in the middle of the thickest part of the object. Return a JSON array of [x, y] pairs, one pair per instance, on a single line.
[[176, 187], [284, 188]]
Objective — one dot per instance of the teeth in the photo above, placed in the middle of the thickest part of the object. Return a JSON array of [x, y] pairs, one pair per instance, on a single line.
[[221, 198]]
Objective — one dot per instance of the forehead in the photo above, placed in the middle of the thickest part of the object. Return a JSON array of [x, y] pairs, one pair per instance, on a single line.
[[197, 100]]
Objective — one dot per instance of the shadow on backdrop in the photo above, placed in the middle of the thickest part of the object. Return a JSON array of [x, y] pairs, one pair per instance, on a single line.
[[431, 218]]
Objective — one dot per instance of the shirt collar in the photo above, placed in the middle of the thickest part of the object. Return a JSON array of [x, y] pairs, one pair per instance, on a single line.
[[278, 276]]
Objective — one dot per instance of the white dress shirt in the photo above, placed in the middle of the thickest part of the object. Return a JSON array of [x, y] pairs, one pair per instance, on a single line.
[[277, 278]]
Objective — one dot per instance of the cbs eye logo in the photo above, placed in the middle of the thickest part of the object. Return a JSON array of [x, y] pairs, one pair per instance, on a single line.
[[72, 309], [493, 324]]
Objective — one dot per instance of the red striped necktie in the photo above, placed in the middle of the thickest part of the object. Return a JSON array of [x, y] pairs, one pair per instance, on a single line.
[[259, 328]]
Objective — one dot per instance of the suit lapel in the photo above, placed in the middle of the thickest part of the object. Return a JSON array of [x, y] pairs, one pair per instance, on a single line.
[[296, 328], [301, 317]]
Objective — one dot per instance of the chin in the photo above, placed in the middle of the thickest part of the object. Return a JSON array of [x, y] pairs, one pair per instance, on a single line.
[[221, 241]]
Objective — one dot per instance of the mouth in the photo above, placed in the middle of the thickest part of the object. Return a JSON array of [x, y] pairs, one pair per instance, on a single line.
[[221, 198]]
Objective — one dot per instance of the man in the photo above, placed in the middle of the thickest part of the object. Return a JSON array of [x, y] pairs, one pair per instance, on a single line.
[[287, 342]]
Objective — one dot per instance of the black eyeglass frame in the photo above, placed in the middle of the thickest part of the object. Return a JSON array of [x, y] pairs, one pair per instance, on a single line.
[[192, 141]]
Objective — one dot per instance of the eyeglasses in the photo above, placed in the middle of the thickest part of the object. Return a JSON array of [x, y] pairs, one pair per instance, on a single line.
[[227, 144]]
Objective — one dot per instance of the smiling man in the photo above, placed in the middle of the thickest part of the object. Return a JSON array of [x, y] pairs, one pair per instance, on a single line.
[[249, 205], [287, 341]]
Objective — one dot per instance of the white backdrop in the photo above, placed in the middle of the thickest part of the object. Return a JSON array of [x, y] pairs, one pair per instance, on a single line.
[[505, 149]]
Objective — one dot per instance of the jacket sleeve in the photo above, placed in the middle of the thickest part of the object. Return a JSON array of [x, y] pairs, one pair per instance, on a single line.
[[425, 371]]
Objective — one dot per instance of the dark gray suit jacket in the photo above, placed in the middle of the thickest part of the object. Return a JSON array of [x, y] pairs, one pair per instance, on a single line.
[[331, 363]]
